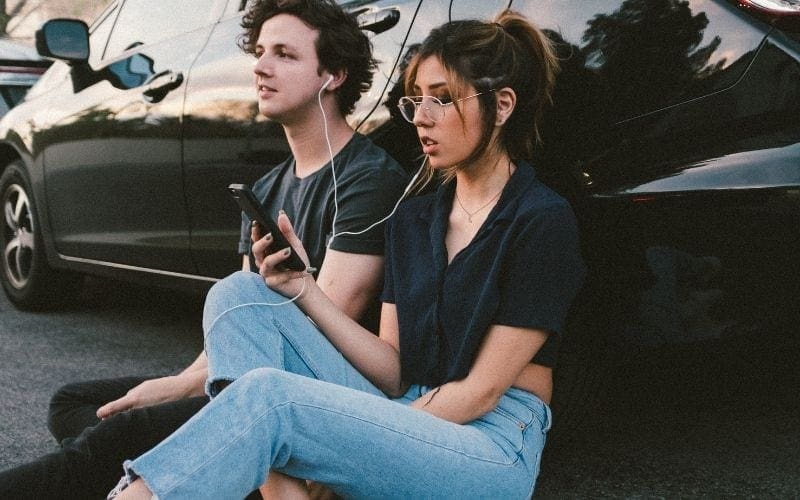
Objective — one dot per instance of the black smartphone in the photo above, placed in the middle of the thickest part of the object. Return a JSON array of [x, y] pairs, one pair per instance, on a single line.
[[252, 208]]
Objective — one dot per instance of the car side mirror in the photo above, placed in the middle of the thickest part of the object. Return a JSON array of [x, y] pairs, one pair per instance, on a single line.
[[65, 39]]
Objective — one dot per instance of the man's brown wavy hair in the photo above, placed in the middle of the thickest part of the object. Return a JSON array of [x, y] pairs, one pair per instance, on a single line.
[[341, 45]]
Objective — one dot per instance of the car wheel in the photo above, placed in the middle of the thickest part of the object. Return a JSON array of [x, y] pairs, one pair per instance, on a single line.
[[580, 384], [585, 363], [27, 279]]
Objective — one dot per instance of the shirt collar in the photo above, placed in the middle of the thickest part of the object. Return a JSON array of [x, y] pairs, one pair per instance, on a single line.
[[437, 211]]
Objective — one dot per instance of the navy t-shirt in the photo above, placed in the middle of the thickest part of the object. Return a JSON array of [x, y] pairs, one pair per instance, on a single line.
[[369, 183], [523, 268]]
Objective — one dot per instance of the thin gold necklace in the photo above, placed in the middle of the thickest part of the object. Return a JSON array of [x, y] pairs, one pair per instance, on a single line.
[[470, 214]]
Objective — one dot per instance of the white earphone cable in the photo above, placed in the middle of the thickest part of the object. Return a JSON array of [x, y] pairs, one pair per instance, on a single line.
[[336, 199], [334, 234]]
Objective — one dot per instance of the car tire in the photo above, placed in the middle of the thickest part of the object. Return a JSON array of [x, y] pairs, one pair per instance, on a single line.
[[585, 363], [28, 281], [579, 389]]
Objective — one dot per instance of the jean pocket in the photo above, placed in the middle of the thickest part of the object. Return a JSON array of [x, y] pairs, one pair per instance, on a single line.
[[507, 425]]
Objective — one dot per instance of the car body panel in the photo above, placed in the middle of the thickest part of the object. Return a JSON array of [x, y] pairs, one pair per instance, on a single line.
[[109, 157], [702, 208]]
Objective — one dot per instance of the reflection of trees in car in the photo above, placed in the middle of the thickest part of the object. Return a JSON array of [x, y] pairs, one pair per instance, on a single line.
[[648, 52], [680, 305], [262, 140], [574, 118], [101, 122], [396, 136]]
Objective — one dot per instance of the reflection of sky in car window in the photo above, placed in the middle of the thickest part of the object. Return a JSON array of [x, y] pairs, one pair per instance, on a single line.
[[569, 19]]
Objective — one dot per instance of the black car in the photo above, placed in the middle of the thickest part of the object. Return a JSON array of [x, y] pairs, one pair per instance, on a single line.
[[675, 134]]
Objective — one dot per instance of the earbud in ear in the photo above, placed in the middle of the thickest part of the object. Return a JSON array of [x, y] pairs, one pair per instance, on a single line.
[[330, 79]]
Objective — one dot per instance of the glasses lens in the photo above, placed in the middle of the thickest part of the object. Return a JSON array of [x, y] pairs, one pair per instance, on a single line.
[[432, 108], [407, 108]]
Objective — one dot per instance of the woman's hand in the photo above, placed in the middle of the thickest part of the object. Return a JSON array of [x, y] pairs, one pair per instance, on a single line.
[[286, 282]]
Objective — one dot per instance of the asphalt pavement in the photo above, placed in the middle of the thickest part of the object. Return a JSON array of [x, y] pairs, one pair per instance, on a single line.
[[113, 329], [716, 420]]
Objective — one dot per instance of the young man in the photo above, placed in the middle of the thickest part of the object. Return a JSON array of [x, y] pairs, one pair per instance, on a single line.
[[310, 57]]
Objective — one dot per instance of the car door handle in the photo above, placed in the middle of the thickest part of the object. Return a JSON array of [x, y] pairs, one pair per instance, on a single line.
[[378, 21], [160, 84]]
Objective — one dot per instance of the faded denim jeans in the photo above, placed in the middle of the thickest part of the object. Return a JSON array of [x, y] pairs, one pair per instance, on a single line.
[[298, 407]]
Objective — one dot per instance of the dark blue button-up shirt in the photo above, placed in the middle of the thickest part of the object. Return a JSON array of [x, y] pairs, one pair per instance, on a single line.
[[522, 269]]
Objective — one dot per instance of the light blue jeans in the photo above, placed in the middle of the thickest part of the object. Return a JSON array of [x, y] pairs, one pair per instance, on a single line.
[[298, 407]]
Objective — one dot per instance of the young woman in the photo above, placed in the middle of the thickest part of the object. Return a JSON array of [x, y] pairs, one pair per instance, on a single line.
[[450, 400]]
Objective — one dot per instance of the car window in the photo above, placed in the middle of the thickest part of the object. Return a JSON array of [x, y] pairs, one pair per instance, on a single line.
[[649, 55], [99, 34], [12, 95], [461, 9], [240, 5], [142, 22]]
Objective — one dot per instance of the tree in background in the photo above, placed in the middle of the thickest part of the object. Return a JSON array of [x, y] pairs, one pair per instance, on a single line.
[[6, 16], [19, 19]]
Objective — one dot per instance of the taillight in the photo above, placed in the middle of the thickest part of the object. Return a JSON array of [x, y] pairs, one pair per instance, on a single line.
[[784, 14]]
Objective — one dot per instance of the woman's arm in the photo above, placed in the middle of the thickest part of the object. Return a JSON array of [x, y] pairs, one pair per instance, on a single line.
[[377, 358], [505, 352], [351, 280]]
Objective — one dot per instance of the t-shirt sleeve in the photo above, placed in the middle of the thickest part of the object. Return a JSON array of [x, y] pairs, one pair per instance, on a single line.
[[366, 197], [542, 273]]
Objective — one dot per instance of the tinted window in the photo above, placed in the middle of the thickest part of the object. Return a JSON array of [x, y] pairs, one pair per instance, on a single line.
[[647, 54], [12, 96], [143, 22]]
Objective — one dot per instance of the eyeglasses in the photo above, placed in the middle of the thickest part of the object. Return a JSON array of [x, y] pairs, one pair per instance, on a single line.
[[431, 106]]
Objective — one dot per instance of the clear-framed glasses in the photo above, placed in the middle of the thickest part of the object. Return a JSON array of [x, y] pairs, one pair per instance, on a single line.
[[431, 106]]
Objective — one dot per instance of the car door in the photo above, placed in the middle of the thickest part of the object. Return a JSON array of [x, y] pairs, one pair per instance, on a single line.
[[112, 151], [225, 141]]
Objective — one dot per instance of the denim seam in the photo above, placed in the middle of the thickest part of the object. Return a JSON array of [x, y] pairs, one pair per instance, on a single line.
[[226, 311], [224, 448], [278, 324], [517, 421], [308, 360], [537, 466], [388, 428], [416, 438], [257, 420]]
